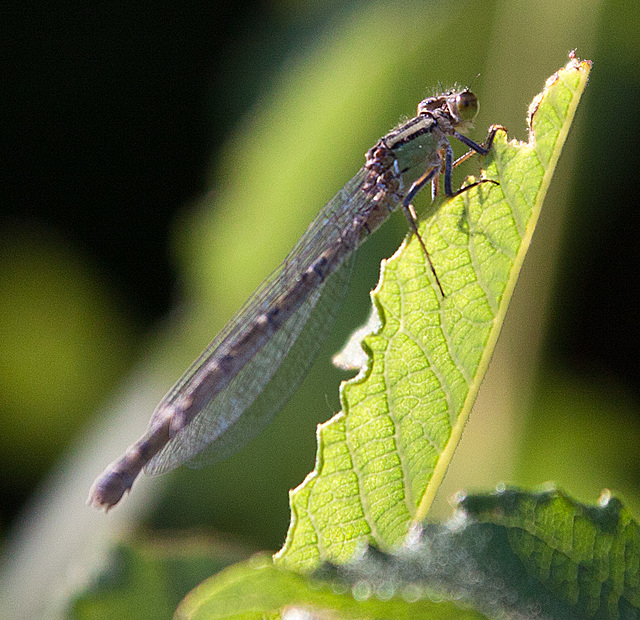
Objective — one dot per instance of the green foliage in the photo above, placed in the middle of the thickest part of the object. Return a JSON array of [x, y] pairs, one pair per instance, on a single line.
[[257, 589], [148, 580], [510, 554], [381, 460], [514, 553]]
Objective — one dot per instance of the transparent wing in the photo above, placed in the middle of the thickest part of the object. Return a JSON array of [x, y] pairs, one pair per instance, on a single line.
[[249, 399], [246, 406]]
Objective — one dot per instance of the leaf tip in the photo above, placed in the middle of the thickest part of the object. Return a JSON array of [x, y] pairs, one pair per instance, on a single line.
[[574, 64]]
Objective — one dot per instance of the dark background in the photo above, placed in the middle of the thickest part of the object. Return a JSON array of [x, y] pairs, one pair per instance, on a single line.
[[110, 121], [116, 121]]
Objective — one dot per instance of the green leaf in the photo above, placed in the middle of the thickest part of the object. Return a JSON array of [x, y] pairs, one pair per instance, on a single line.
[[517, 554], [509, 554], [381, 460], [257, 589], [148, 580]]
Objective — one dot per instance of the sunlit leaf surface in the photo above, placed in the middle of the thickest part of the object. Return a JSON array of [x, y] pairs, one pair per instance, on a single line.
[[381, 460]]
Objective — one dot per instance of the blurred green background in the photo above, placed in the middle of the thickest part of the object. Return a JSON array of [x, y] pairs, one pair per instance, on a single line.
[[159, 163]]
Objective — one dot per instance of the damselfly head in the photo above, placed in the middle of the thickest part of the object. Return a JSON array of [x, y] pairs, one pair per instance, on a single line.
[[461, 105]]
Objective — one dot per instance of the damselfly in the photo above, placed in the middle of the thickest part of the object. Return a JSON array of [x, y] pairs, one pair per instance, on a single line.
[[233, 390]]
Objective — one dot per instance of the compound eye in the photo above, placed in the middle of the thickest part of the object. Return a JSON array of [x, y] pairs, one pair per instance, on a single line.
[[466, 105]]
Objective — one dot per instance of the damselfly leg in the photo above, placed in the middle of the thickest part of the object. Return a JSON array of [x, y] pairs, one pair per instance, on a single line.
[[432, 175]]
